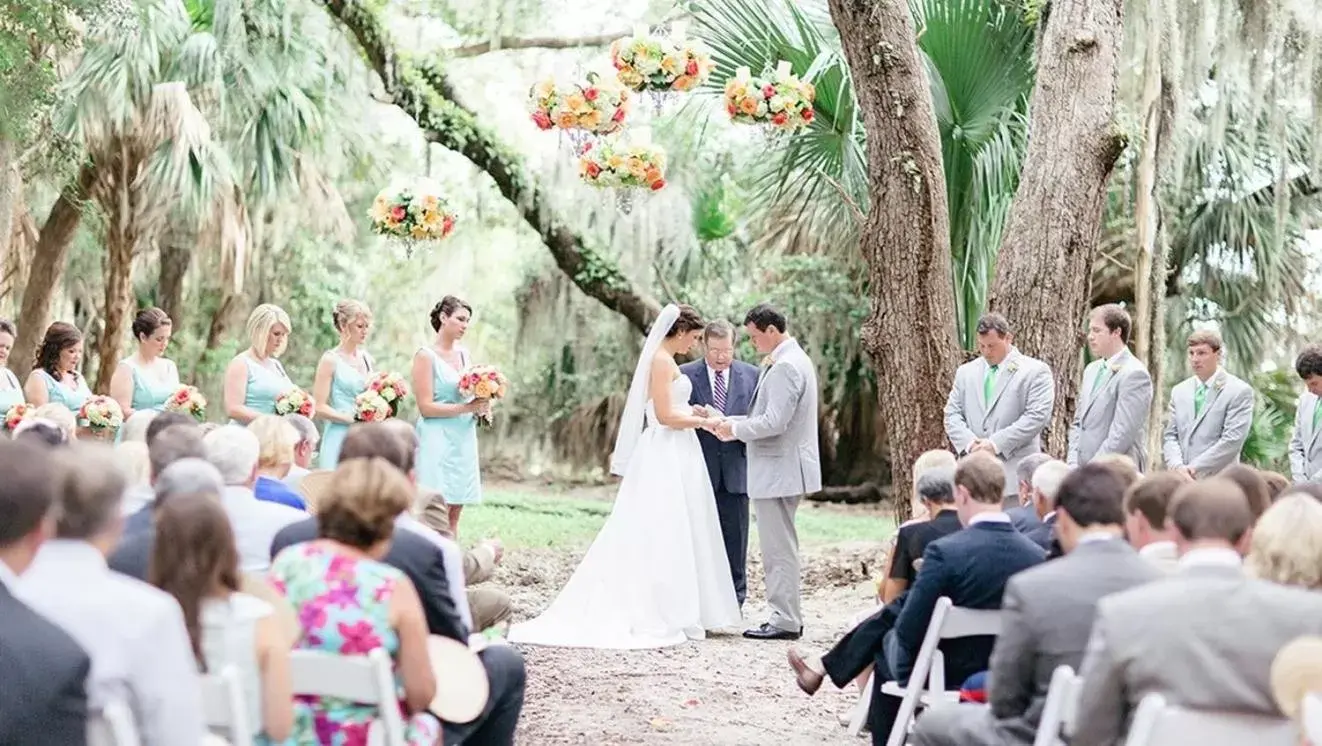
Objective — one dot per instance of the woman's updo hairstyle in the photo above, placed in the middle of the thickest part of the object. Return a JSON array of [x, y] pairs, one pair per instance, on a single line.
[[148, 321], [448, 306], [688, 321], [59, 337], [347, 310]]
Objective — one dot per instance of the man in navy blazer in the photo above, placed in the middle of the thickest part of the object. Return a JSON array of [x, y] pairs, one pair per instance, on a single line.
[[726, 385]]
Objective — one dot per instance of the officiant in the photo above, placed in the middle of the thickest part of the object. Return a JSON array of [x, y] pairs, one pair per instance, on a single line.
[[725, 386]]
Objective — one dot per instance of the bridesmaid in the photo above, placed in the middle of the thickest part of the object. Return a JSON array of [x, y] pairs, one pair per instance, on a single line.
[[55, 378], [11, 391], [447, 427], [147, 379], [341, 376], [255, 378]]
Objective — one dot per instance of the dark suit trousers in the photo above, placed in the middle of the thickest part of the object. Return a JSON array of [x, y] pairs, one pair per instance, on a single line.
[[732, 511], [871, 643], [495, 726]]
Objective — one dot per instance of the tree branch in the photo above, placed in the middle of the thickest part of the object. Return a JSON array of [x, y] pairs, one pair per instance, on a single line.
[[505, 43], [422, 90]]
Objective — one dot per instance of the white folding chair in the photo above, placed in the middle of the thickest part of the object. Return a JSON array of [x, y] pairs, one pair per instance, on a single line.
[[1062, 701], [112, 726], [1158, 724], [365, 679], [223, 708]]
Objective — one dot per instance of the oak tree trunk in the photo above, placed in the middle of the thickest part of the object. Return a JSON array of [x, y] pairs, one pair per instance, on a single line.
[[121, 244], [176, 256], [1043, 271], [47, 272], [910, 332]]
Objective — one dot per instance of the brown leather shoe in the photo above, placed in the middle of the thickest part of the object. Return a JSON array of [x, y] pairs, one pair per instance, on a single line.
[[808, 680]]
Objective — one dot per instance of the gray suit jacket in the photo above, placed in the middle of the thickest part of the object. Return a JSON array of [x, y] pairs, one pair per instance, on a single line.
[[43, 679], [1305, 446], [1019, 409], [1211, 441], [1048, 612], [781, 429], [1204, 639], [1114, 418]]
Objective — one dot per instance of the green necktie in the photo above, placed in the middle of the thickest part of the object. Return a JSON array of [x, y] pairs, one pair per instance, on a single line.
[[1101, 373], [1199, 399], [989, 382]]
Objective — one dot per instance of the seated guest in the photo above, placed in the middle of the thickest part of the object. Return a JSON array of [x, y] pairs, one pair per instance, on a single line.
[[195, 561], [60, 416], [135, 427], [926, 461], [40, 432], [164, 447], [277, 439], [1277, 484], [1047, 614], [1024, 515], [234, 451], [1286, 547], [936, 489], [350, 602], [1205, 642], [43, 671], [165, 420], [1296, 678], [1123, 465], [135, 633], [1047, 479], [136, 462], [187, 476], [1147, 525], [304, 451], [1254, 487], [970, 566]]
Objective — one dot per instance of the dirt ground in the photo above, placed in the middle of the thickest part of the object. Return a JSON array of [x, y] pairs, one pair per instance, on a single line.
[[723, 690]]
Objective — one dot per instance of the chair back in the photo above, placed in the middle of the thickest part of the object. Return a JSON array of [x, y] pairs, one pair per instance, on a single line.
[[1058, 710], [223, 708], [1157, 723], [365, 679], [113, 726]]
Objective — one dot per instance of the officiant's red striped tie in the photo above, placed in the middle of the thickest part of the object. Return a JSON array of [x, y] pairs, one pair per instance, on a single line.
[[718, 393]]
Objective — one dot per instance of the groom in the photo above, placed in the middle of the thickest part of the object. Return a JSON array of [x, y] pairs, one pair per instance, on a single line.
[[783, 462]]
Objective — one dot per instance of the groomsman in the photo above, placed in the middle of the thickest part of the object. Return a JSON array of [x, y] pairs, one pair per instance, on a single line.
[[1210, 413], [1116, 395], [1000, 402], [726, 386], [1305, 446]]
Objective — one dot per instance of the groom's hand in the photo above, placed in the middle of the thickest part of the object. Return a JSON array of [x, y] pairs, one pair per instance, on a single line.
[[724, 430]]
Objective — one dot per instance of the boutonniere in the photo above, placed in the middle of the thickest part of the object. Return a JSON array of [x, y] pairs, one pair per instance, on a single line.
[[1220, 382], [1116, 366], [1012, 367], [767, 362]]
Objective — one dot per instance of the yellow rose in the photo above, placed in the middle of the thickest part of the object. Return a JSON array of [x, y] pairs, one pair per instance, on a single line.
[[591, 120], [748, 106], [671, 65], [614, 162], [565, 120], [544, 89], [418, 231], [576, 103], [380, 210]]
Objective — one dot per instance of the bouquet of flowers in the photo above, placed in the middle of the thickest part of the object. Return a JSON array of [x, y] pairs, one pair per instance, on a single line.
[[101, 413], [483, 382], [371, 406], [390, 387], [414, 211], [597, 105], [781, 100], [623, 165], [645, 62], [188, 400], [17, 413], [294, 401]]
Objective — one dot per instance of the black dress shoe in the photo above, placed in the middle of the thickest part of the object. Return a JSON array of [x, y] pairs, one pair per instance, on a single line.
[[768, 632]]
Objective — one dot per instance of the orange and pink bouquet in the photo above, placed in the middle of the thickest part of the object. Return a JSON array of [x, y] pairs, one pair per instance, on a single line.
[[483, 382], [645, 62], [623, 164], [17, 413], [780, 99], [413, 211], [597, 105], [101, 413], [294, 401], [371, 406], [188, 400], [391, 387]]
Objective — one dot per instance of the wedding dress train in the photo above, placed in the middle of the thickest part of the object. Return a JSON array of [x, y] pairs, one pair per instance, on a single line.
[[656, 574]]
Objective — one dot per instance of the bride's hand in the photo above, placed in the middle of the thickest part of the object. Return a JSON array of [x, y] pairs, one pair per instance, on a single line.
[[701, 411]]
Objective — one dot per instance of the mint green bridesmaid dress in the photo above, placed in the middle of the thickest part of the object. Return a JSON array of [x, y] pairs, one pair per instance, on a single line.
[[264, 386], [346, 384]]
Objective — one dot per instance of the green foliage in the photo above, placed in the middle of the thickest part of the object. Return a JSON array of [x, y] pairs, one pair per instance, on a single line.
[[1268, 444], [34, 35]]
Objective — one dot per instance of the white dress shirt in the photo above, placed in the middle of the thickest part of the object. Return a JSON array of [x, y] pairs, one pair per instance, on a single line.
[[453, 558], [295, 477], [255, 523], [136, 497], [1211, 557], [1161, 554], [994, 516], [133, 632]]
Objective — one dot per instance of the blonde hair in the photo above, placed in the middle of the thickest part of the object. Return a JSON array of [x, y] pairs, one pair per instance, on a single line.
[[277, 439], [135, 460], [260, 322], [135, 427], [1296, 671], [60, 416], [347, 310], [1286, 547]]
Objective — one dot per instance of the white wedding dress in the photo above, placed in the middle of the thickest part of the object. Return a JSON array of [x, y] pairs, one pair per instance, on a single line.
[[656, 574]]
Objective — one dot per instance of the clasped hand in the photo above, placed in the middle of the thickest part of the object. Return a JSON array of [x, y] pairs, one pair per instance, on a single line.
[[714, 423]]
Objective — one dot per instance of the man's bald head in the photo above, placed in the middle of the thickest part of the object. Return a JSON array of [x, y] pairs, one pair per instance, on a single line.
[[1211, 510]]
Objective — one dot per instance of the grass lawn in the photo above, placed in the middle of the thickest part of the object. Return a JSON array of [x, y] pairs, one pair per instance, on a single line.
[[531, 517]]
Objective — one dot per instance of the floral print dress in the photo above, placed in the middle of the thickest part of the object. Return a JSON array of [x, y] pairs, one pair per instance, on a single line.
[[343, 604]]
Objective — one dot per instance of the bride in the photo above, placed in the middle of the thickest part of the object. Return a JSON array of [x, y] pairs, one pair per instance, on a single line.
[[656, 574]]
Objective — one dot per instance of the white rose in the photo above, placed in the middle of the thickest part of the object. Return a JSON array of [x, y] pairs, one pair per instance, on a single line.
[[777, 103]]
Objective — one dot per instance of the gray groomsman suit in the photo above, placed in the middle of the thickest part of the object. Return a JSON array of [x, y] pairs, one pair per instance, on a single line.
[[1047, 613], [43, 678], [1112, 416], [1210, 441], [1305, 446], [1204, 639], [1020, 407], [783, 466]]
